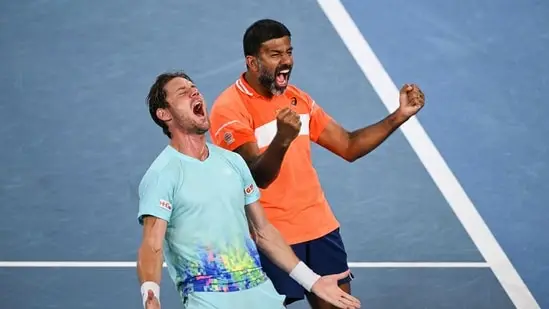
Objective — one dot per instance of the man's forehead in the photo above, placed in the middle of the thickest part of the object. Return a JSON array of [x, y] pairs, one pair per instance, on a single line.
[[278, 43], [178, 82]]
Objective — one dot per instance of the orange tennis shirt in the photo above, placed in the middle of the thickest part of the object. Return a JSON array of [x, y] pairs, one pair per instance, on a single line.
[[294, 202]]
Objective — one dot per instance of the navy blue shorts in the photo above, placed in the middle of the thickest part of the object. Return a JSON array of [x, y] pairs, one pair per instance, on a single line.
[[325, 256]]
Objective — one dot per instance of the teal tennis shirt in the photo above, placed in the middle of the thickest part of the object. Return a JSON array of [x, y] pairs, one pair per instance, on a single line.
[[208, 247]]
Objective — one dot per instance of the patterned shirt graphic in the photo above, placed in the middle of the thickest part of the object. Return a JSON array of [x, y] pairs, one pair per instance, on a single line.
[[208, 245]]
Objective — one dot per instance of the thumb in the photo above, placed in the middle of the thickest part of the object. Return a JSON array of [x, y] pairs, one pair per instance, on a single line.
[[283, 111], [406, 88], [150, 295], [343, 275]]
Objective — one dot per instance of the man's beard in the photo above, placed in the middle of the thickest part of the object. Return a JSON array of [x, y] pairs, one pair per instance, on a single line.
[[193, 127], [199, 128], [268, 79]]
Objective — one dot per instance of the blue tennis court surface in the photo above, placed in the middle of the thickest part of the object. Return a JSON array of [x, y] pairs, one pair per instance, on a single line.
[[76, 138]]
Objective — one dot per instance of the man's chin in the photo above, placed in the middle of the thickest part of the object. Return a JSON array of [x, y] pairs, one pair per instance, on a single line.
[[198, 128], [202, 131], [203, 128], [277, 90]]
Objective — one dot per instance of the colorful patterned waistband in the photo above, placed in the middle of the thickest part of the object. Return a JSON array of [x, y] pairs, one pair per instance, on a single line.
[[222, 283]]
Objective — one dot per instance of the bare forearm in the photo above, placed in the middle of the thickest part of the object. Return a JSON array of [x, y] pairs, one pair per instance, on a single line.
[[363, 141], [149, 264], [271, 243], [265, 167]]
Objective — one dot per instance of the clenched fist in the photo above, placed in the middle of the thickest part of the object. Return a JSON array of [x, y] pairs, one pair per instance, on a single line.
[[288, 125], [412, 100]]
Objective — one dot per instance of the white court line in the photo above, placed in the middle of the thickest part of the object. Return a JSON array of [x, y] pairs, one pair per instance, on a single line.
[[430, 157], [123, 264], [418, 265]]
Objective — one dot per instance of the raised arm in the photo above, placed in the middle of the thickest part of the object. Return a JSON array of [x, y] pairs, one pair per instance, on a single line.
[[356, 144], [232, 130], [266, 166]]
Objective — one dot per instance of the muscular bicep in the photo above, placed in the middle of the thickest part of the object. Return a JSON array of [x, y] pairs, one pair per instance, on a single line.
[[335, 139], [154, 231], [326, 132], [149, 257], [257, 219]]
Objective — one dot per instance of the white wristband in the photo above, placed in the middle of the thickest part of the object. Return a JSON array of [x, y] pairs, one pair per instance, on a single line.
[[149, 285], [304, 276]]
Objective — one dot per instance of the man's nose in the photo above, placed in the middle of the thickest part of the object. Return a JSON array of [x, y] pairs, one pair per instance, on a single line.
[[286, 59]]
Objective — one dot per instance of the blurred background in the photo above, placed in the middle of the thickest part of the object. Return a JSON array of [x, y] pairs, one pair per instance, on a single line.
[[448, 213]]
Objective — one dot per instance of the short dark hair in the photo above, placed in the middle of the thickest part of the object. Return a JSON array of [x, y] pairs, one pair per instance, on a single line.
[[261, 31], [157, 96]]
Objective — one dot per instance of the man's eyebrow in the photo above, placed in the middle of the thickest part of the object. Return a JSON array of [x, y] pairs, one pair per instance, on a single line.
[[181, 88], [277, 50]]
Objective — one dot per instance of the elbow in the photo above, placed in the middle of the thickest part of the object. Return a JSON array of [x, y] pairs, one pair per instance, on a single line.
[[354, 151], [265, 235], [154, 244], [149, 263], [352, 157], [349, 155], [150, 248], [349, 158], [149, 256]]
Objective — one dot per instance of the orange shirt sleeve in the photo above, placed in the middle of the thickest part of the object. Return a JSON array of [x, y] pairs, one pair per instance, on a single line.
[[230, 128], [319, 119]]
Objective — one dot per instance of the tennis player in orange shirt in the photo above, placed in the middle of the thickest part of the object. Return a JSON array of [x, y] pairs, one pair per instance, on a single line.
[[271, 124]]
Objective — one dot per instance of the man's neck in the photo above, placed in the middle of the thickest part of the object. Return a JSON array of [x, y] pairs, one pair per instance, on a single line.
[[192, 145], [254, 83]]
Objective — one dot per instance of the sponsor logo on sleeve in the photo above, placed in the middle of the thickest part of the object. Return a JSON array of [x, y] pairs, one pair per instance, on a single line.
[[250, 189], [228, 138], [165, 205], [293, 102]]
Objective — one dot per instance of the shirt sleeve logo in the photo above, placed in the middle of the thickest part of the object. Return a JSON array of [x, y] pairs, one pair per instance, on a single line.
[[293, 102], [249, 190], [228, 138], [165, 205]]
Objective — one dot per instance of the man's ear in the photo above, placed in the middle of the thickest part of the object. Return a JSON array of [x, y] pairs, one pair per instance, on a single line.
[[163, 114], [251, 62]]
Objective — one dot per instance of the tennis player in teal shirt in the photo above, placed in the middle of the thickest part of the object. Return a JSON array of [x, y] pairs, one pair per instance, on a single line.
[[200, 212]]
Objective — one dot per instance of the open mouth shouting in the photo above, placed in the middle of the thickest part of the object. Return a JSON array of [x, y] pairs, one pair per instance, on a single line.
[[282, 78], [198, 108]]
